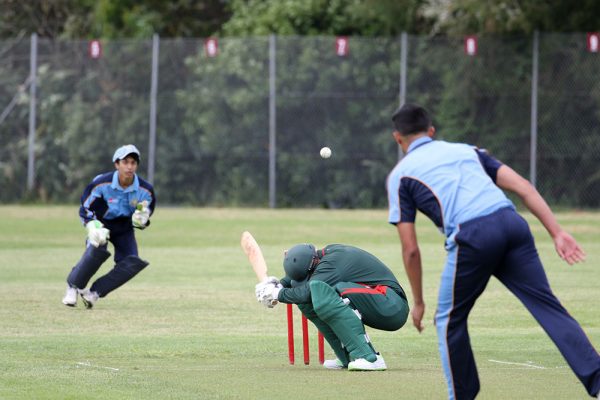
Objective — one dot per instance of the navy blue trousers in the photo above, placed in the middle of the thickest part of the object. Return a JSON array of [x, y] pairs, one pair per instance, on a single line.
[[125, 244], [501, 244]]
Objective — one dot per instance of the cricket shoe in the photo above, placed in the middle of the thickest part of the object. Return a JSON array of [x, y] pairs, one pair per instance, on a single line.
[[361, 364], [89, 298], [333, 364], [70, 298]]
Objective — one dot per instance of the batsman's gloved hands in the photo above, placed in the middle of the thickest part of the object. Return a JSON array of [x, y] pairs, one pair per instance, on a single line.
[[272, 279], [267, 292], [262, 286], [141, 215], [97, 233]]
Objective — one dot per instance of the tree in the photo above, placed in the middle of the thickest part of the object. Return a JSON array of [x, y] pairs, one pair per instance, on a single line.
[[175, 18], [111, 19], [213, 122], [460, 17], [47, 18], [324, 17]]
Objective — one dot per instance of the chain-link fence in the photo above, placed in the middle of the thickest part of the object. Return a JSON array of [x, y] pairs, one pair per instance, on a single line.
[[240, 121], [14, 81]]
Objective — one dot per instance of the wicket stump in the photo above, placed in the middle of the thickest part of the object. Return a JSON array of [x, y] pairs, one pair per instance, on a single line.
[[305, 342]]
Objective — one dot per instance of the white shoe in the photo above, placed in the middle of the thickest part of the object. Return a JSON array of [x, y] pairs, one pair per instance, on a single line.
[[70, 298], [333, 364], [89, 298], [361, 364]]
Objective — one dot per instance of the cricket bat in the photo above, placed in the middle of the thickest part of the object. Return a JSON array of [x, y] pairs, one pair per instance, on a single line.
[[255, 255]]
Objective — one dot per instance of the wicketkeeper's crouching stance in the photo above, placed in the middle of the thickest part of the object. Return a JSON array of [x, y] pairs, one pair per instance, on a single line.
[[340, 288], [111, 206]]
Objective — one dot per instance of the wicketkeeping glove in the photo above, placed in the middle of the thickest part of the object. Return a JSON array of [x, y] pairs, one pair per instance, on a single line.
[[141, 215], [97, 233]]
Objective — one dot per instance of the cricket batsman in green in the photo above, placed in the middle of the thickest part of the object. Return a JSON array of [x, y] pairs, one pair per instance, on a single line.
[[340, 289]]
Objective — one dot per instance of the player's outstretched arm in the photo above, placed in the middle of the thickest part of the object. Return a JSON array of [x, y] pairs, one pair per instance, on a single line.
[[411, 256], [566, 246]]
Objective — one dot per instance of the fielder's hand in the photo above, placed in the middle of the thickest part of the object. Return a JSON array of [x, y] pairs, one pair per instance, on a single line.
[[417, 312], [567, 248], [267, 292], [97, 233], [141, 215]]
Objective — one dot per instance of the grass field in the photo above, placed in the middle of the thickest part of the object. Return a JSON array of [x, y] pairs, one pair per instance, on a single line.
[[189, 326]]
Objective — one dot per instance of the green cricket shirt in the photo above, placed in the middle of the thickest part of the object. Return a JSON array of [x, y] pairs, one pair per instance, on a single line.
[[341, 263]]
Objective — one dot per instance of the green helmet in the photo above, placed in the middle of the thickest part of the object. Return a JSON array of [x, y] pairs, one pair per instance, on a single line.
[[298, 261]]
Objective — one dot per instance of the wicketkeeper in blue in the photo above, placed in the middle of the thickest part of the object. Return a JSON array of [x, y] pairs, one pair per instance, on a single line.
[[459, 187], [112, 205]]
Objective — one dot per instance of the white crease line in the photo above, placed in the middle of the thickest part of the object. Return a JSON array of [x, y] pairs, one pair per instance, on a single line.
[[97, 366], [529, 364]]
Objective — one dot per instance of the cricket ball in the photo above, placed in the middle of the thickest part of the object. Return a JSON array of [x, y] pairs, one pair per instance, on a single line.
[[325, 152]]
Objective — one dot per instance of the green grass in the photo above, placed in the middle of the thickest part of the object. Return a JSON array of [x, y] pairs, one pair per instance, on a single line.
[[189, 327]]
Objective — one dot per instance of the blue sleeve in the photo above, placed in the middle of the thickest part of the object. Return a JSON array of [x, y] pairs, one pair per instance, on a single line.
[[416, 195], [393, 190], [408, 207], [85, 214], [93, 204], [489, 163], [147, 193]]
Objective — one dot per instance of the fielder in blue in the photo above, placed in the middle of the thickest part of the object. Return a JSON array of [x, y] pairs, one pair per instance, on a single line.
[[459, 187], [112, 205]]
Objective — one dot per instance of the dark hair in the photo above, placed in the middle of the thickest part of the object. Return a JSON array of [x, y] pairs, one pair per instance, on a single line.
[[410, 119], [135, 156]]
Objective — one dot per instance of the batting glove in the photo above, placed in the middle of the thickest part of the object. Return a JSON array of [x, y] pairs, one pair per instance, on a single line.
[[260, 288], [266, 293], [141, 215], [272, 279], [97, 233], [265, 286]]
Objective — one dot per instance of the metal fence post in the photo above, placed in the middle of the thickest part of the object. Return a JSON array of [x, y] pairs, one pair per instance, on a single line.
[[403, 53], [32, 110], [152, 121], [272, 122], [534, 110], [402, 95]]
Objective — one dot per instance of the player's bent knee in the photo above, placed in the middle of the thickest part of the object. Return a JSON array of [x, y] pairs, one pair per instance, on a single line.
[[325, 299], [308, 310], [88, 265], [134, 263]]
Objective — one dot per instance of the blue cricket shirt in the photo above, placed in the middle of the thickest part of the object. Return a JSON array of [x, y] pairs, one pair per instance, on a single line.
[[104, 199], [450, 183]]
